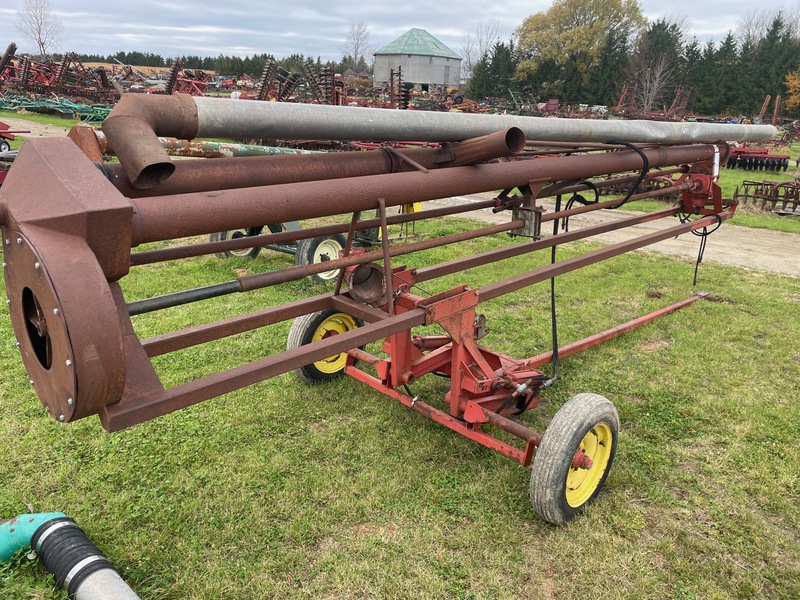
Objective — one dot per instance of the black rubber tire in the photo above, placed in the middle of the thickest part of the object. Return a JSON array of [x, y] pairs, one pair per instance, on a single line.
[[302, 333], [236, 233], [551, 466], [320, 249], [5, 146]]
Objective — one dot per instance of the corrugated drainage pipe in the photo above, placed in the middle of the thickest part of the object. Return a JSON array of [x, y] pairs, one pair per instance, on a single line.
[[78, 566]]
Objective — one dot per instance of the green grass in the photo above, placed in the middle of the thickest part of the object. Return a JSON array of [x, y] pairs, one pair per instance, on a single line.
[[16, 143], [335, 491], [40, 118]]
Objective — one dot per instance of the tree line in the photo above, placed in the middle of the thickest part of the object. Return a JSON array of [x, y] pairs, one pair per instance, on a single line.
[[227, 65], [590, 51]]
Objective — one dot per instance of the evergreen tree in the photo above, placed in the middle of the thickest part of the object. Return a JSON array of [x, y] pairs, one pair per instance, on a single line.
[[480, 85], [776, 54], [493, 74], [605, 81]]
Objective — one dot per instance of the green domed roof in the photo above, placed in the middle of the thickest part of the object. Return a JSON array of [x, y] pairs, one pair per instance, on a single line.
[[419, 42]]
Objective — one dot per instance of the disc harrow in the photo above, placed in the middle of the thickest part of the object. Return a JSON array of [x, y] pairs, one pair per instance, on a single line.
[[782, 197]]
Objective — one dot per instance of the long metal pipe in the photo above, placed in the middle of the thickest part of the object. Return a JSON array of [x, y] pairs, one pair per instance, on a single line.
[[232, 173], [459, 265], [137, 120], [217, 118], [178, 252], [200, 213], [261, 280]]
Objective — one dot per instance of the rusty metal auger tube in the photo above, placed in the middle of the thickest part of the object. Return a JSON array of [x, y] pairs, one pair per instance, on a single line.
[[231, 173], [136, 121], [199, 213]]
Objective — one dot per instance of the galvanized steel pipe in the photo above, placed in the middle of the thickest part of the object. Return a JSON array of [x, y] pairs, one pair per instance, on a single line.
[[231, 118]]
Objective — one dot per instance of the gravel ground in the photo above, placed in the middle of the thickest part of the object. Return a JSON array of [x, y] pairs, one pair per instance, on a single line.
[[758, 249]]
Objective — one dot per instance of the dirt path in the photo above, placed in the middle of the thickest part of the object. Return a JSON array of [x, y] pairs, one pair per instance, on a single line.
[[758, 249], [36, 129]]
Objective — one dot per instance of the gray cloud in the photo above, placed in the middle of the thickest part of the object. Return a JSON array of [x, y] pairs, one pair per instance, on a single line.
[[313, 28]]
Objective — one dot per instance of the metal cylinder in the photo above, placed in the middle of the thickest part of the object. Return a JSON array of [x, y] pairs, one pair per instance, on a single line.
[[199, 213], [105, 584], [136, 121], [199, 176], [230, 118]]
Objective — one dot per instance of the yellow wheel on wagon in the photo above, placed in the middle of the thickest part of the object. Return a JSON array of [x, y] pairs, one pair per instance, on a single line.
[[560, 490], [317, 327]]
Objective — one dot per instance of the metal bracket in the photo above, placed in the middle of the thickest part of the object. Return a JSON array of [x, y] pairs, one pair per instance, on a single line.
[[528, 212]]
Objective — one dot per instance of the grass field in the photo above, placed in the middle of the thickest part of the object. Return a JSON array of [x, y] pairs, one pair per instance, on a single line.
[[282, 490]]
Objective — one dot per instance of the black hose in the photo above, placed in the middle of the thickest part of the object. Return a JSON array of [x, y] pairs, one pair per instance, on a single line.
[[642, 174], [68, 553]]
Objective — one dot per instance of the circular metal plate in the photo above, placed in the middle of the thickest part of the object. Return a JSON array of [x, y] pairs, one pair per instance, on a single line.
[[38, 320], [66, 321]]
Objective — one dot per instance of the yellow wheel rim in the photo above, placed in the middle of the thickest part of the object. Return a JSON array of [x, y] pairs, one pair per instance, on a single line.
[[333, 325], [236, 234], [582, 483]]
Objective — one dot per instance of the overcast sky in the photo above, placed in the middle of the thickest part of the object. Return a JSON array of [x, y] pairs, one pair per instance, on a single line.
[[313, 28]]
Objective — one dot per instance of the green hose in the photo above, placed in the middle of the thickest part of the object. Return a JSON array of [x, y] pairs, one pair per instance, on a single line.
[[16, 533]]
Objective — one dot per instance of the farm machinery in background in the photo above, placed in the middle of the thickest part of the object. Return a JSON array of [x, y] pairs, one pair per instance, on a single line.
[[756, 159], [629, 104], [70, 78], [66, 78], [7, 135], [6, 156], [66, 253], [779, 197], [71, 81]]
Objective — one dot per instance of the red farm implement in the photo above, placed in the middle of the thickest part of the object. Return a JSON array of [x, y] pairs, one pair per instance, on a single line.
[[756, 159], [782, 197], [66, 252], [66, 78], [6, 156], [7, 135]]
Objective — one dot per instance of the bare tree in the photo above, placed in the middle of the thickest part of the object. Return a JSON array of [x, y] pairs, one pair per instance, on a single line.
[[753, 26], [792, 18], [477, 42], [356, 46], [654, 82], [682, 22], [36, 21]]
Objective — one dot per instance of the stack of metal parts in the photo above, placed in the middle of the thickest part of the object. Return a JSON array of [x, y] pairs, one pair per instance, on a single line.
[[93, 114]]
